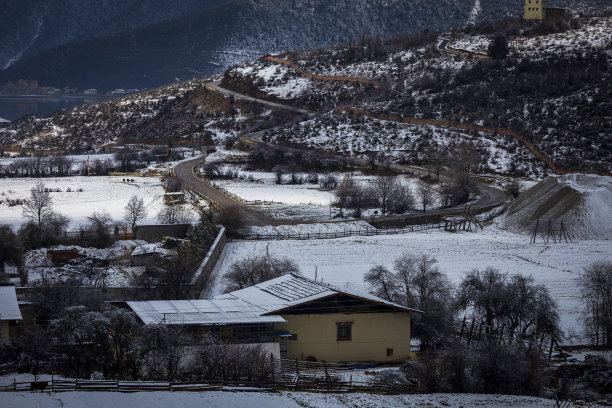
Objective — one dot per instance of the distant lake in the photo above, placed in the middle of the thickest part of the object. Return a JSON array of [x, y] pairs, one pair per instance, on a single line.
[[14, 107]]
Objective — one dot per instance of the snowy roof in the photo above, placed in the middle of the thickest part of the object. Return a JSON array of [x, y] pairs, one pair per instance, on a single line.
[[291, 290], [149, 249], [9, 308], [203, 312]]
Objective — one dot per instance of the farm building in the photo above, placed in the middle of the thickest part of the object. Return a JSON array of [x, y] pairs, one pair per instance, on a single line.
[[174, 198], [296, 318], [10, 315]]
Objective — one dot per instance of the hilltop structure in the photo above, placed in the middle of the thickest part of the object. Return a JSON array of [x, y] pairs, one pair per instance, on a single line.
[[537, 10]]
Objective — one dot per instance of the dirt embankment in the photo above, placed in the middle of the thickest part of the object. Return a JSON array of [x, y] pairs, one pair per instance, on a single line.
[[582, 201]]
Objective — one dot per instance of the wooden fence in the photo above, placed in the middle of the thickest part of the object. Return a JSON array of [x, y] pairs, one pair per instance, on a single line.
[[309, 75], [225, 191], [468, 126], [346, 233], [286, 375]]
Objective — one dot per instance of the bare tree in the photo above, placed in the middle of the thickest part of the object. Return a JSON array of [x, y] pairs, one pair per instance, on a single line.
[[134, 211], [279, 171], [596, 288], [514, 303], [382, 282], [176, 214], [256, 269], [425, 194], [39, 206], [384, 188], [401, 200]]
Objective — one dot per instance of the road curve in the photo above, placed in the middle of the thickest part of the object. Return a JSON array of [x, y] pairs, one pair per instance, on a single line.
[[185, 172], [215, 85], [489, 196]]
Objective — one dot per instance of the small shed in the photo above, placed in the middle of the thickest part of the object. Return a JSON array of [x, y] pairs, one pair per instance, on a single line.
[[174, 198], [10, 315]]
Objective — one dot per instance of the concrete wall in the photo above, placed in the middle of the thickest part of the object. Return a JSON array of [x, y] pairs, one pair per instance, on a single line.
[[371, 335], [200, 278], [155, 233]]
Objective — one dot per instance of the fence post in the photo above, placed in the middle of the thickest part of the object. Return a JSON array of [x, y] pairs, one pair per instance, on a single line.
[[117, 384], [14, 384], [52, 382], [76, 384]]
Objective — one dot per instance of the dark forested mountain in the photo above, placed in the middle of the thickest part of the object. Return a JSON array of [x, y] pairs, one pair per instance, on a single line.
[[206, 41], [29, 27]]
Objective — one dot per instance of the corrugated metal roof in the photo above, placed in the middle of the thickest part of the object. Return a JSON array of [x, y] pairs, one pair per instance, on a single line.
[[9, 308], [202, 312], [291, 290]]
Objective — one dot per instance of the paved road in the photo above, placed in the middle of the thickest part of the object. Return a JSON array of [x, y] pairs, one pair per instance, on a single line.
[[489, 196], [217, 87], [250, 216]]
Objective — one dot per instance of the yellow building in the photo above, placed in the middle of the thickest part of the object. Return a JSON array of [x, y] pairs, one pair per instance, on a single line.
[[535, 9], [330, 324], [297, 318]]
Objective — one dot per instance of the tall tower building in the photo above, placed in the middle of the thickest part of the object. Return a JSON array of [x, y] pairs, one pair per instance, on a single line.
[[535, 9]]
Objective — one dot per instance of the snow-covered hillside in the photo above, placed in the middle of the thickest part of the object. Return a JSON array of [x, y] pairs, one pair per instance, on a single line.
[[552, 90]]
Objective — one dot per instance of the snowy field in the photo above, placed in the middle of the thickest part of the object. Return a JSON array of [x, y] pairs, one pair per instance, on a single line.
[[344, 261], [98, 193], [219, 399], [255, 185]]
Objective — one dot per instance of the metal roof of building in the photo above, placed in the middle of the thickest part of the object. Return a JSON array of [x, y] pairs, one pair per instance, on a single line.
[[9, 308], [292, 290], [200, 312]]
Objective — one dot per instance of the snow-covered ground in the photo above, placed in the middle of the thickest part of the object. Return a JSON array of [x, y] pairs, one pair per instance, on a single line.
[[259, 185], [594, 34], [219, 399], [332, 227], [117, 274], [98, 193], [341, 132], [344, 261]]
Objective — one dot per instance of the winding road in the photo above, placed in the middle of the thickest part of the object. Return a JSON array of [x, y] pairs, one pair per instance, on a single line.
[[489, 196]]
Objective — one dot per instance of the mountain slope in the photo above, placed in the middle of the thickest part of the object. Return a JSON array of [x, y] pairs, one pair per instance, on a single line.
[[208, 41], [28, 28]]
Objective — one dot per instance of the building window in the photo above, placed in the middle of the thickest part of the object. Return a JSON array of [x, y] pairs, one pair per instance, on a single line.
[[343, 331], [389, 352], [293, 337]]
